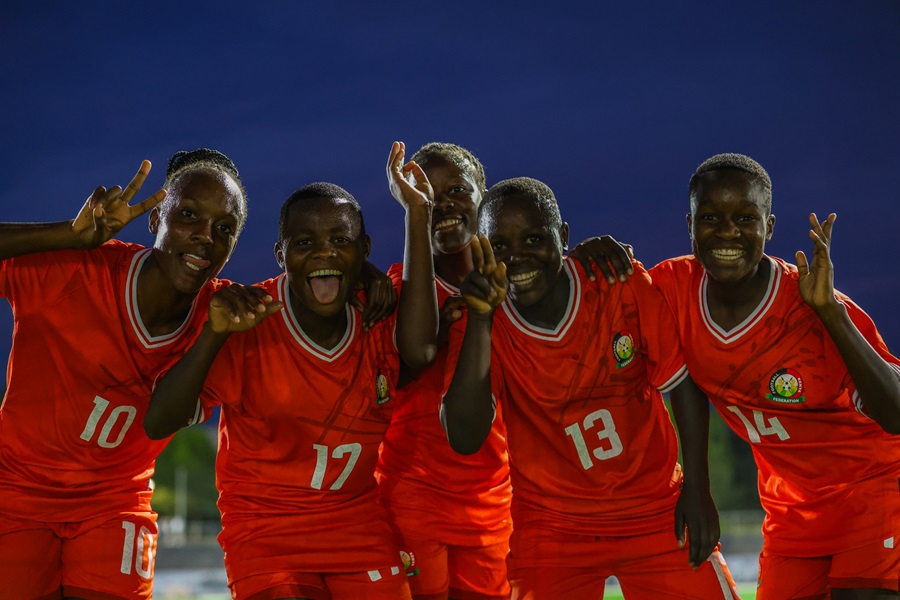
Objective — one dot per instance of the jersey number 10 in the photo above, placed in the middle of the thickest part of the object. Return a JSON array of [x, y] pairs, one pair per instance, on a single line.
[[100, 406]]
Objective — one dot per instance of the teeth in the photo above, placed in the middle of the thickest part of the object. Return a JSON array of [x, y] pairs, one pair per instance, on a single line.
[[195, 262], [727, 253], [523, 278], [325, 273], [450, 222]]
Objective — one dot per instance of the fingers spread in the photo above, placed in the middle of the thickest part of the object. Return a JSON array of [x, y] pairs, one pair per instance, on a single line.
[[148, 204], [136, 182]]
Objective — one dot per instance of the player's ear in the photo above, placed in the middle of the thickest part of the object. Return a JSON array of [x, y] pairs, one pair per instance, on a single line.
[[367, 245], [279, 255], [153, 225], [564, 235], [770, 227]]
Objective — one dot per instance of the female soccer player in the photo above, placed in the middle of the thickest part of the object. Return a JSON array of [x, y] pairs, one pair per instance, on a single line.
[[800, 372], [307, 396], [95, 320], [451, 511], [577, 367]]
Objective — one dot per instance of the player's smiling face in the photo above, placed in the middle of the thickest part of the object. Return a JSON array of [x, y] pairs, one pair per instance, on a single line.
[[522, 237], [456, 198], [729, 224], [197, 228], [322, 253]]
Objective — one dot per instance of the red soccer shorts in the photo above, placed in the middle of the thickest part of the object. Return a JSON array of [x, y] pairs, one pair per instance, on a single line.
[[94, 560], [546, 565], [372, 585], [876, 566], [460, 572]]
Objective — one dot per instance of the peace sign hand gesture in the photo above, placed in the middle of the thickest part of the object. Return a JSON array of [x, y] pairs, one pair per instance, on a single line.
[[106, 212]]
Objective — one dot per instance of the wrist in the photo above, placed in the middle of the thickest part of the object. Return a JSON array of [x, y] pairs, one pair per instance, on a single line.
[[479, 319], [215, 333], [832, 312], [694, 482]]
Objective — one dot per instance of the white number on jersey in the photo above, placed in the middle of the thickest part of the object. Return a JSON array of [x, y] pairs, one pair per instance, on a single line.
[[353, 449], [607, 433], [140, 556], [100, 406], [762, 428]]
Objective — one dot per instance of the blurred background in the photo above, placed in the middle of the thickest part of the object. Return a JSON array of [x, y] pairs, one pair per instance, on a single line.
[[611, 104]]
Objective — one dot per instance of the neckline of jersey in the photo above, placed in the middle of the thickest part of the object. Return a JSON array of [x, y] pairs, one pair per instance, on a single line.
[[559, 332], [325, 354], [134, 312], [739, 330]]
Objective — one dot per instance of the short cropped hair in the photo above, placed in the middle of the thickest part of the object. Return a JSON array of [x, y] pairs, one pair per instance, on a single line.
[[319, 189], [457, 155], [524, 186], [206, 160], [740, 162]]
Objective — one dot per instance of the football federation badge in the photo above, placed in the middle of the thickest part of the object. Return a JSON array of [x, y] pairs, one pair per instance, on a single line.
[[409, 562], [785, 387], [623, 348], [382, 389]]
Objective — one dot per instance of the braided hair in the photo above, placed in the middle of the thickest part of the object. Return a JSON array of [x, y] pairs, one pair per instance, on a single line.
[[205, 160]]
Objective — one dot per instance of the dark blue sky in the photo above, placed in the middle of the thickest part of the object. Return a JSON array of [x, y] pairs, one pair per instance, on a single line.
[[612, 106]]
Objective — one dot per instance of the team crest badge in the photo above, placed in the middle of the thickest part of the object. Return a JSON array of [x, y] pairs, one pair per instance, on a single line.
[[786, 387], [623, 348], [382, 389], [409, 562]]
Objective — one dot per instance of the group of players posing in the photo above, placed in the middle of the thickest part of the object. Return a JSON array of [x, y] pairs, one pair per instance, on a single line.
[[541, 356]]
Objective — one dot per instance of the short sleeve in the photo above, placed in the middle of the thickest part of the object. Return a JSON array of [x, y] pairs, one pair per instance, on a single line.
[[869, 331], [666, 367]]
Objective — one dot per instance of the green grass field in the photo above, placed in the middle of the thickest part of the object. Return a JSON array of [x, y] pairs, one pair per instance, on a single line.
[[748, 592]]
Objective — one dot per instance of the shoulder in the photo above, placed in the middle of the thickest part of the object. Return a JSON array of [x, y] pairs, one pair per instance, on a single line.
[[395, 272], [677, 265], [784, 266]]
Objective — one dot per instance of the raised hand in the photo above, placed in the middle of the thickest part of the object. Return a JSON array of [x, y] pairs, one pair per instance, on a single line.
[[484, 289], [240, 307], [417, 192], [817, 279], [611, 258], [106, 212]]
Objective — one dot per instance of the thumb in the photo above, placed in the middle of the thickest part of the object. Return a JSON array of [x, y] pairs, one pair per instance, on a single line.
[[802, 263]]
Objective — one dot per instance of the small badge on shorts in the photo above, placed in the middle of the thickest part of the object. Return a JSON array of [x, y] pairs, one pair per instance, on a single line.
[[382, 389], [785, 387], [409, 562], [623, 348]]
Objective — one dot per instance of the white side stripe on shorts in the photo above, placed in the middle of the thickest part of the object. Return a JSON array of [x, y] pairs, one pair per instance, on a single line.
[[717, 560]]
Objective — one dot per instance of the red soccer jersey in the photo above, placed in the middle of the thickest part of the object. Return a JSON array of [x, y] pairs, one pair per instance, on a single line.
[[592, 449], [828, 475], [298, 443], [460, 500], [72, 444]]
